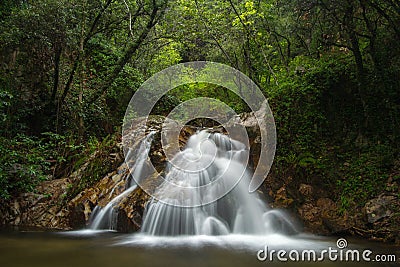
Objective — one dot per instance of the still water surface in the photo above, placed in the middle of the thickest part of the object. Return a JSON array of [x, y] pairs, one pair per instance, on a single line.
[[84, 249]]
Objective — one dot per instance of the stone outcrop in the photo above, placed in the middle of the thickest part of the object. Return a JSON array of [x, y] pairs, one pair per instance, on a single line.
[[39, 209], [47, 206], [130, 209], [379, 208]]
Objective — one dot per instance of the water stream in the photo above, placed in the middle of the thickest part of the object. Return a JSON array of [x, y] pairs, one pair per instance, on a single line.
[[208, 158], [211, 158]]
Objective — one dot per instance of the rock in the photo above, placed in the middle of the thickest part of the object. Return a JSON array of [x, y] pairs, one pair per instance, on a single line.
[[129, 209], [379, 208], [249, 122], [37, 209], [133, 207], [322, 217], [309, 213], [327, 208], [331, 220], [281, 199], [76, 217], [124, 223], [306, 190]]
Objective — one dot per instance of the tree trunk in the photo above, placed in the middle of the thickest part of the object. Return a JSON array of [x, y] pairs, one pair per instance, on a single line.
[[56, 75], [355, 48], [78, 57], [128, 54]]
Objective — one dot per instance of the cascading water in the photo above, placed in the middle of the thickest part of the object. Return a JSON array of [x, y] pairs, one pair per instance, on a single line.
[[106, 217], [209, 157]]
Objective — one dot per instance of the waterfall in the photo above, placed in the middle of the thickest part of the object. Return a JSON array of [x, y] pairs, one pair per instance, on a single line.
[[106, 217], [209, 157]]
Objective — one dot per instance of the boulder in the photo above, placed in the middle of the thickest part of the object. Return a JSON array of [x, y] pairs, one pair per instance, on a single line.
[[379, 208], [322, 217], [306, 191]]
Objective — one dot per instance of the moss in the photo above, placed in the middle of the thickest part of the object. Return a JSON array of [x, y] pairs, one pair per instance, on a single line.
[[94, 166]]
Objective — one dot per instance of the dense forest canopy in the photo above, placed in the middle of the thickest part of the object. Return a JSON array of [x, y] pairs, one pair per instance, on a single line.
[[329, 68]]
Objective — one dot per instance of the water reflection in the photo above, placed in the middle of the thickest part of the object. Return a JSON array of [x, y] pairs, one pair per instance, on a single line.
[[105, 248]]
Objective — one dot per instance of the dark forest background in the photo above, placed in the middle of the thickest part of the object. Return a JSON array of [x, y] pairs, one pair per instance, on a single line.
[[330, 69]]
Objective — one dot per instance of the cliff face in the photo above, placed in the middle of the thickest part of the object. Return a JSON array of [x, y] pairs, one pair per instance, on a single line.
[[53, 207]]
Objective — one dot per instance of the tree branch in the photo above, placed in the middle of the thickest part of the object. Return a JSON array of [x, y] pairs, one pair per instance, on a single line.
[[154, 16], [203, 19], [78, 57]]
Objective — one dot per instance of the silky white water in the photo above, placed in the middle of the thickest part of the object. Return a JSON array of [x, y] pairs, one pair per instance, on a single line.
[[211, 158]]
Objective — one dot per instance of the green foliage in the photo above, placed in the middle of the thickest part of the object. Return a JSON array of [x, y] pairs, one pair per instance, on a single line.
[[22, 165], [329, 69], [195, 90], [322, 138], [93, 164], [364, 176], [61, 151], [26, 161], [68, 64]]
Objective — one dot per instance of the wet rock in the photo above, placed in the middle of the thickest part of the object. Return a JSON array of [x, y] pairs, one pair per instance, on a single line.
[[37, 209], [133, 208], [77, 218], [129, 210], [281, 199], [249, 121], [379, 208], [309, 213], [124, 223], [322, 217], [333, 222], [327, 208]]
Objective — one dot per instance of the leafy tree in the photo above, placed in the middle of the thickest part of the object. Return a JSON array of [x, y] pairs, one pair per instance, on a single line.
[[328, 67]]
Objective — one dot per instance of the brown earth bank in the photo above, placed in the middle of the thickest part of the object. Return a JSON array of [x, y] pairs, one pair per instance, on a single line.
[[56, 204]]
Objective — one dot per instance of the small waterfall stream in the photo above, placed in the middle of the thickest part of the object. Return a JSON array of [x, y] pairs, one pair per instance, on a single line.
[[206, 158], [106, 217]]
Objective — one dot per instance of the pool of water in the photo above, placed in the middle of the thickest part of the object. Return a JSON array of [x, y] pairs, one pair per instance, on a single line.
[[97, 248]]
